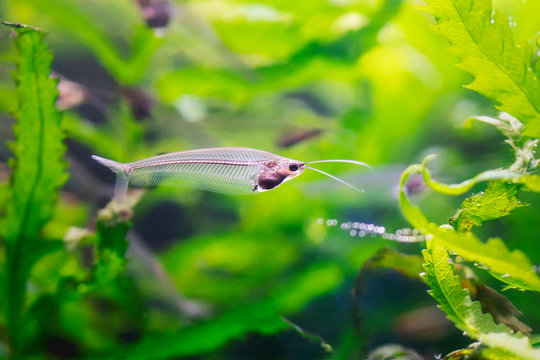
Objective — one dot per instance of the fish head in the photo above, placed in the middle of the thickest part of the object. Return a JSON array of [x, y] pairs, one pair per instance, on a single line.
[[276, 172]]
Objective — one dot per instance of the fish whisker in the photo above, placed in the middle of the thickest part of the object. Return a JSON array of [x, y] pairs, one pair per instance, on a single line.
[[343, 161], [335, 178]]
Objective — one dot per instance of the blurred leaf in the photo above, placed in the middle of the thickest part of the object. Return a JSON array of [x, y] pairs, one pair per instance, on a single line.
[[532, 182], [408, 265], [483, 41], [491, 353], [465, 313], [393, 352], [119, 138], [314, 61], [113, 223], [68, 15], [460, 354], [499, 199], [38, 170], [511, 267], [263, 317], [311, 337], [502, 309], [499, 306]]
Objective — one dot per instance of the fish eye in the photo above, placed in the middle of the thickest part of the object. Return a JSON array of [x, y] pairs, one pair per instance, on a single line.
[[293, 167]]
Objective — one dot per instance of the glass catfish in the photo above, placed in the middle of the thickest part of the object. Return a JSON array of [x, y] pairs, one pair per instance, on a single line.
[[229, 170]]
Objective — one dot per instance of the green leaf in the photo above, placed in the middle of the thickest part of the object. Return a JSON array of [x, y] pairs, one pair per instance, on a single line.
[[532, 182], [263, 317], [465, 313], [85, 29], [407, 265], [113, 223], [464, 186], [38, 169], [393, 352], [499, 199], [502, 309], [483, 41], [511, 267], [314, 61]]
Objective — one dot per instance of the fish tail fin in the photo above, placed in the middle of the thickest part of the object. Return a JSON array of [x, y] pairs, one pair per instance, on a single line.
[[122, 176]]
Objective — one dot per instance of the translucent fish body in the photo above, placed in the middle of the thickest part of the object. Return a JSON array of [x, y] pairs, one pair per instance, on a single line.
[[223, 170]]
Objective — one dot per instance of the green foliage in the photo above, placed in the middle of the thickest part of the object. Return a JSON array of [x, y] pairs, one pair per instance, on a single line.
[[482, 40], [259, 276], [314, 61], [111, 243], [263, 317], [38, 173], [465, 313], [499, 199], [68, 14], [511, 267]]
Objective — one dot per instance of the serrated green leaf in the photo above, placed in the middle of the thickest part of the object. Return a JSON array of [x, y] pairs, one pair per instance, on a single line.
[[38, 169], [498, 200], [483, 41], [465, 313], [511, 267]]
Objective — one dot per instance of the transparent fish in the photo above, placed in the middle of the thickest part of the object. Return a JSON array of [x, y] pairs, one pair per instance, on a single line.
[[229, 170]]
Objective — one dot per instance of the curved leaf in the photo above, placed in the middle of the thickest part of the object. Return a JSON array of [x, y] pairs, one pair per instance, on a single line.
[[465, 313], [511, 267]]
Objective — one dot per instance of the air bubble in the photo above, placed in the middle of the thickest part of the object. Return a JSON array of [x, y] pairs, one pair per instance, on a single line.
[[362, 230]]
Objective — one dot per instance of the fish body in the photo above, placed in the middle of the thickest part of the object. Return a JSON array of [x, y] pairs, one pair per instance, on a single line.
[[230, 170]]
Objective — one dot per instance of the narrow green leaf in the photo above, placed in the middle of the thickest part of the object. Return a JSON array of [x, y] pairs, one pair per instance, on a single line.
[[465, 313], [464, 186], [511, 267], [483, 41], [38, 169]]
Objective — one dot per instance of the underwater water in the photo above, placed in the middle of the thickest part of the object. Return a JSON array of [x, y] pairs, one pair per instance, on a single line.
[[252, 245]]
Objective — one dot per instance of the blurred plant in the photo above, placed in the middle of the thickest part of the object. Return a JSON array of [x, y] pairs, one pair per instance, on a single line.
[[482, 40], [362, 79]]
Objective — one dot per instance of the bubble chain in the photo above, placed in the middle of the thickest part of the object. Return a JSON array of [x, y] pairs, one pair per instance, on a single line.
[[360, 229]]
